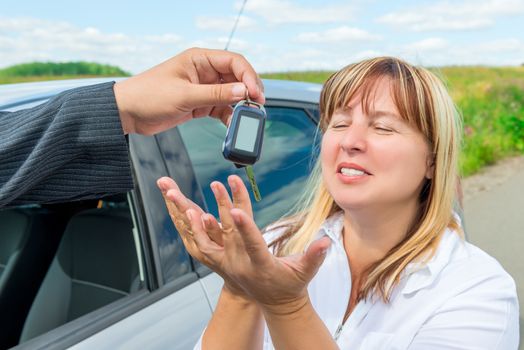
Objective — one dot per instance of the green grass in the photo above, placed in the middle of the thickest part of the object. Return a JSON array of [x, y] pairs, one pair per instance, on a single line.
[[491, 100]]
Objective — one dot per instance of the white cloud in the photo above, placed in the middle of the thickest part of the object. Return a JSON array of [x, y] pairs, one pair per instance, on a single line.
[[501, 52], [424, 21], [285, 12], [166, 39], [432, 51], [429, 44], [340, 34], [502, 45], [331, 58], [453, 16], [479, 8], [224, 24], [438, 52], [29, 39], [237, 45]]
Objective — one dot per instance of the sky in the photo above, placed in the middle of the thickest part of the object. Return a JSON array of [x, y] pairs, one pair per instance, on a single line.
[[274, 35]]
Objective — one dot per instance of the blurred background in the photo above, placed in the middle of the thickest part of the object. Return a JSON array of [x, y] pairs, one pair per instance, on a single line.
[[477, 47]]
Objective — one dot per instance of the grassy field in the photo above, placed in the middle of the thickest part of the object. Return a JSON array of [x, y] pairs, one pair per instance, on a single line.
[[491, 101]]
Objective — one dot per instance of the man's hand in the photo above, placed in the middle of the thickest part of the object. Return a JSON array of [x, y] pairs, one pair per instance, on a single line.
[[195, 83]]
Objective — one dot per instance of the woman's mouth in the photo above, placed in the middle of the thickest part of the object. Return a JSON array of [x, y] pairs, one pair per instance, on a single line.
[[350, 173]]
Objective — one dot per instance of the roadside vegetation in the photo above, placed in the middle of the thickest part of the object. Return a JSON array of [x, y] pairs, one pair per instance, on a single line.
[[491, 100], [40, 71]]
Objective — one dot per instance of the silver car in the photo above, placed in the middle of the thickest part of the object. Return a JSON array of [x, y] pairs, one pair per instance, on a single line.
[[113, 273]]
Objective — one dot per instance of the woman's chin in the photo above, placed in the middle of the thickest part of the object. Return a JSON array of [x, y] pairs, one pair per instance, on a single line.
[[353, 204]]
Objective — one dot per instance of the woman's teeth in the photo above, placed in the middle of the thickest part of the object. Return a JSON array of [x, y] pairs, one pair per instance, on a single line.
[[352, 172]]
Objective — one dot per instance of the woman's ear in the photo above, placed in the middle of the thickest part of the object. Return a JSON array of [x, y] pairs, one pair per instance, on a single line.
[[430, 167]]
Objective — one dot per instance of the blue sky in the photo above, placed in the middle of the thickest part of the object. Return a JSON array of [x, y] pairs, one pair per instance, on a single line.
[[275, 35]]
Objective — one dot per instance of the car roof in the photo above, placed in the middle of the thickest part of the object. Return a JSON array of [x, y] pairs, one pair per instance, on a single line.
[[13, 95]]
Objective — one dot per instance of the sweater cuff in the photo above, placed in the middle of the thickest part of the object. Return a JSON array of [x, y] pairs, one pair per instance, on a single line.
[[102, 139]]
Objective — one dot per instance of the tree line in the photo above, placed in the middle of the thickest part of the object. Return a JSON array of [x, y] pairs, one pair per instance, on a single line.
[[62, 68]]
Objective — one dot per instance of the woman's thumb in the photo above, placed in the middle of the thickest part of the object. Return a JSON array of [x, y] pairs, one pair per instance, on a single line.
[[315, 255]]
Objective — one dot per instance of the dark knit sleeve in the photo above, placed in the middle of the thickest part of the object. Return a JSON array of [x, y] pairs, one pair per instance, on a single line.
[[69, 148]]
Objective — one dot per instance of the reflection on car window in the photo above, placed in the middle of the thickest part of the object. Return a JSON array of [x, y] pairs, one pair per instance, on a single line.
[[149, 166], [288, 155]]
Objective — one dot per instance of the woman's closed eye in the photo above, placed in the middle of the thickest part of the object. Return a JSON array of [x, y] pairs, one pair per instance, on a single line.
[[383, 129], [340, 125]]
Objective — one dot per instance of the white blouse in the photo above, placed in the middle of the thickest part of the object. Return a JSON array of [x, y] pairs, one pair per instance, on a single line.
[[462, 299]]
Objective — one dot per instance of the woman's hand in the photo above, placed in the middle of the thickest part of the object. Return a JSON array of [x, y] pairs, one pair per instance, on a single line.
[[235, 249], [178, 205]]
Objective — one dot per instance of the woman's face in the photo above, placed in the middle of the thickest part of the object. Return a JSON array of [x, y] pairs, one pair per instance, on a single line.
[[375, 160]]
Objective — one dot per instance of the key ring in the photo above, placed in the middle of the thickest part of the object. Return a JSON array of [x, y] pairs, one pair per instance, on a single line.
[[250, 103]]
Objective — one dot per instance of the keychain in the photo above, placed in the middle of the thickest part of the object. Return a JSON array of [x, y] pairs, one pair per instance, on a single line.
[[243, 142]]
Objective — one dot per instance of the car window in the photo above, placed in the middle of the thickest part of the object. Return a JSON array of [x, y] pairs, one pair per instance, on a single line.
[[63, 261], [288, 155]]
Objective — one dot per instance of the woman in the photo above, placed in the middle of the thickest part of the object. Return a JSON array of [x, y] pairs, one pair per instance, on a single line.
[[375, 258]]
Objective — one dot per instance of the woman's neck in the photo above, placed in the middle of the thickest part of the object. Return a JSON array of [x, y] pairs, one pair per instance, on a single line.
[[370, 234]]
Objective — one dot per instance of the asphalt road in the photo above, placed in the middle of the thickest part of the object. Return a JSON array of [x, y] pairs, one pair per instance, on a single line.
[[495, 222]]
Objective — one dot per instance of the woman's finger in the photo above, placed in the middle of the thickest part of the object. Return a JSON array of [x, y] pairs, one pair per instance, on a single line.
[[177, 207], [224, 205], [177, 216], [177, 204], [182, 202], [254, 244], [213, 229], [166, 183], [171, 190], [211, 251], [231, 241], [240, 194], [182, 228]]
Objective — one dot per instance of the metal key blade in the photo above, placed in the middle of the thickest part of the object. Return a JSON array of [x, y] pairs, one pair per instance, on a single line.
[[251, 176]]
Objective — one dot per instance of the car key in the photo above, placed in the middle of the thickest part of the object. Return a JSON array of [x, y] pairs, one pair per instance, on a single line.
[[254, 187], [243, 142]]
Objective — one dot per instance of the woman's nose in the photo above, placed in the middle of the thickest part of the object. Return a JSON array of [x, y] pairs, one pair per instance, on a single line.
[[354, 138]]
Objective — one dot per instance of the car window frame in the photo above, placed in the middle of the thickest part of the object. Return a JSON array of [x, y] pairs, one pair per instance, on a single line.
[[154, 262]]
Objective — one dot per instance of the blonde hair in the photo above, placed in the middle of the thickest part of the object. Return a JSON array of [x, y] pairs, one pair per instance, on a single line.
[[423, 101]]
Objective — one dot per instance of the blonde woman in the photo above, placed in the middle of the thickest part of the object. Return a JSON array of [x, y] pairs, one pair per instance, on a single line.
[[375, 258]]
